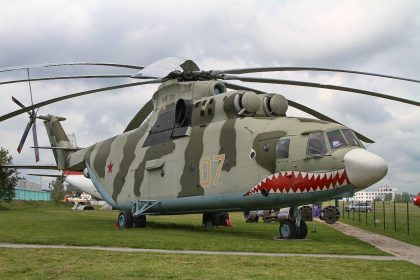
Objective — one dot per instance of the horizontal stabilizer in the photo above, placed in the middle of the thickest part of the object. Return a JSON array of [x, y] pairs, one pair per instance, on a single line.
[[46, 175]]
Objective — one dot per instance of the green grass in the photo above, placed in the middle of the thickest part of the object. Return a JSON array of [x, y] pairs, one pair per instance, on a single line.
[[89, 264], [44, 224], [375, 221]]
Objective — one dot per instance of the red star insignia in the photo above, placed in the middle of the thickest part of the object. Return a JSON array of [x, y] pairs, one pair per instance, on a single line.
[[110, 165]]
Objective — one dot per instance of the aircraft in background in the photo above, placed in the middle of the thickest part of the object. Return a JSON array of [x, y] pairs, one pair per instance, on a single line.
[[416, 200], [77, 180]]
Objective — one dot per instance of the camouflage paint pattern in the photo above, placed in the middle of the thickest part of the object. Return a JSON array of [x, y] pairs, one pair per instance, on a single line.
[[212, 166]]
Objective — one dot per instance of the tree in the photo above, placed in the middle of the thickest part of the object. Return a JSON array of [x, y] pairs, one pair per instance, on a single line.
[[57, 191], [8, 176]]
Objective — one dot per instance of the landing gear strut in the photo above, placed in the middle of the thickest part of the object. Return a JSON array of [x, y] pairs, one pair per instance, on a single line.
[[293, 227]]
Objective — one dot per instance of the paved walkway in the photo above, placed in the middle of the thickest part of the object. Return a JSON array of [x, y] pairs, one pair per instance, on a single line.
[[119, 249], [401, 250]]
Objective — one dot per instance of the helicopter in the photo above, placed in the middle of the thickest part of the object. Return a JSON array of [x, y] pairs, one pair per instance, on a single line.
[[202, 144]]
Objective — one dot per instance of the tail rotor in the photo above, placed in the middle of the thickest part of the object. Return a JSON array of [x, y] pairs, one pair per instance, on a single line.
[[31, 124]]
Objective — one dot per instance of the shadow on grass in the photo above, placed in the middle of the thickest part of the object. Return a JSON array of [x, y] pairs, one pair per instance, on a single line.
[[218, 230]]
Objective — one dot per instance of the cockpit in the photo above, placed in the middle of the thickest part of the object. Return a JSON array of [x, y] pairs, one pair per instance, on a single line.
[[322, 143]]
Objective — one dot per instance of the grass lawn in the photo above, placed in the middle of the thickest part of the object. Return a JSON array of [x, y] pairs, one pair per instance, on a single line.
[[44, 224], [89, 264], [399, 228]]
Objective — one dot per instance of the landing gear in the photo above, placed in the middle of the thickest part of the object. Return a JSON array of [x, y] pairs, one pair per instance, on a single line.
[[140, 221], [294, 227], [211, 219], [287, 229], [126, 220]]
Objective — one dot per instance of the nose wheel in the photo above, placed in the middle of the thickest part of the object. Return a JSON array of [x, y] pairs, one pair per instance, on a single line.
[[293, 227]]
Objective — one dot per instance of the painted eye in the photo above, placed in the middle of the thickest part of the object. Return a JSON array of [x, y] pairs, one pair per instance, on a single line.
[[252, 154]]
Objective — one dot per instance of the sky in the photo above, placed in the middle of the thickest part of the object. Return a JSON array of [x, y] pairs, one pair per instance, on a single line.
[[371, 36]]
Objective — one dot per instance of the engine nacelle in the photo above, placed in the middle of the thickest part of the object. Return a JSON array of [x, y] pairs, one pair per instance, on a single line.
[[246, 103], [330, 214], [275, 105]]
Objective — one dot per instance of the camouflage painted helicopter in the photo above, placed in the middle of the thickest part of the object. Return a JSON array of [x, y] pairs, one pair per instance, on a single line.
[[196, 147]]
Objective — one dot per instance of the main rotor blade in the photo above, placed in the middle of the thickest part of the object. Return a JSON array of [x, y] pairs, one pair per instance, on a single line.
[[35, 142], [46, 167], [316, 85], [67, 78], [25, 134], [77, 94], [14, 68], [302, 108], [140, 116], [278, 69], [20, 104]]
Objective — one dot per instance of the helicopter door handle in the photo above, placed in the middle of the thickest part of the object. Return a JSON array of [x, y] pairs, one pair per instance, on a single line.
[[154, 164]]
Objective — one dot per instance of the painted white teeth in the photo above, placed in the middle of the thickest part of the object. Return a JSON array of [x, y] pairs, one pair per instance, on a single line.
[[340, 172], [310, 176], [331, 186], [270, 177], [296, 173], [304, 174], [328, 175]]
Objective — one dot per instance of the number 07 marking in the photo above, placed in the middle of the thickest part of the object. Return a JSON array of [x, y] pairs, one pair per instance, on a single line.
[[206, 175]]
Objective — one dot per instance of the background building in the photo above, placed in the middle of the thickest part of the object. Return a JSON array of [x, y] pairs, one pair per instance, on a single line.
[[26, 190], [383, 193]]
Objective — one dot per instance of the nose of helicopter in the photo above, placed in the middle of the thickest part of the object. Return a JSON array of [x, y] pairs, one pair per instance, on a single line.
[[364, 168]]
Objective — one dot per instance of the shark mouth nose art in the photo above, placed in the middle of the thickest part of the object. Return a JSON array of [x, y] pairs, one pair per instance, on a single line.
[[300, 182]]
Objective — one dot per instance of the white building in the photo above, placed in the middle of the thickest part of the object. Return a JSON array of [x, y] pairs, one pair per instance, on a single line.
[[381, 194]]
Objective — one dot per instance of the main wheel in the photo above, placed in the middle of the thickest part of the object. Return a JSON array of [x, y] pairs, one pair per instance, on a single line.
[[302, 231], [125, 219], [287, 229], [139, 222]]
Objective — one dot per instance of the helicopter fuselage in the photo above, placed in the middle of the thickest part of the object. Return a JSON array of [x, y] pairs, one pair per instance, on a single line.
[[200, 151]]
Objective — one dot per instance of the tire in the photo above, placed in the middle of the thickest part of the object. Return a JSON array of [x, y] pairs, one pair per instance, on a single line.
[[302, 231], [139, 222], [287, 229], [125, 219]]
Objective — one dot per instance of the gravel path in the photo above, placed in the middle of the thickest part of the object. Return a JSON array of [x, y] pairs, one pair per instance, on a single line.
[[119, 249], [399, 249]]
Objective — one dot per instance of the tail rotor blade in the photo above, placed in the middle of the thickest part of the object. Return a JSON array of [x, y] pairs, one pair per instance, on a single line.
[[23, 139], [35, 142], [18, 103]]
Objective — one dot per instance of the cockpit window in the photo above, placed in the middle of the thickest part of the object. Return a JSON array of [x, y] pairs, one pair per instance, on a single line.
[[351, 138], [336, 139], [282, 148], [316, 144]]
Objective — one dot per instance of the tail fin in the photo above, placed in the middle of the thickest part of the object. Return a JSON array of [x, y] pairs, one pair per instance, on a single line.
[[58, 139]]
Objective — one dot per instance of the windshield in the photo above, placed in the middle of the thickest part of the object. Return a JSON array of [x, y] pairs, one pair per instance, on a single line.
[[351, 138], [336, 139], [316, 144]]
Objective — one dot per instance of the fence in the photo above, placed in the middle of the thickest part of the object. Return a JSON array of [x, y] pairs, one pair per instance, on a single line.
[[387, 217]]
